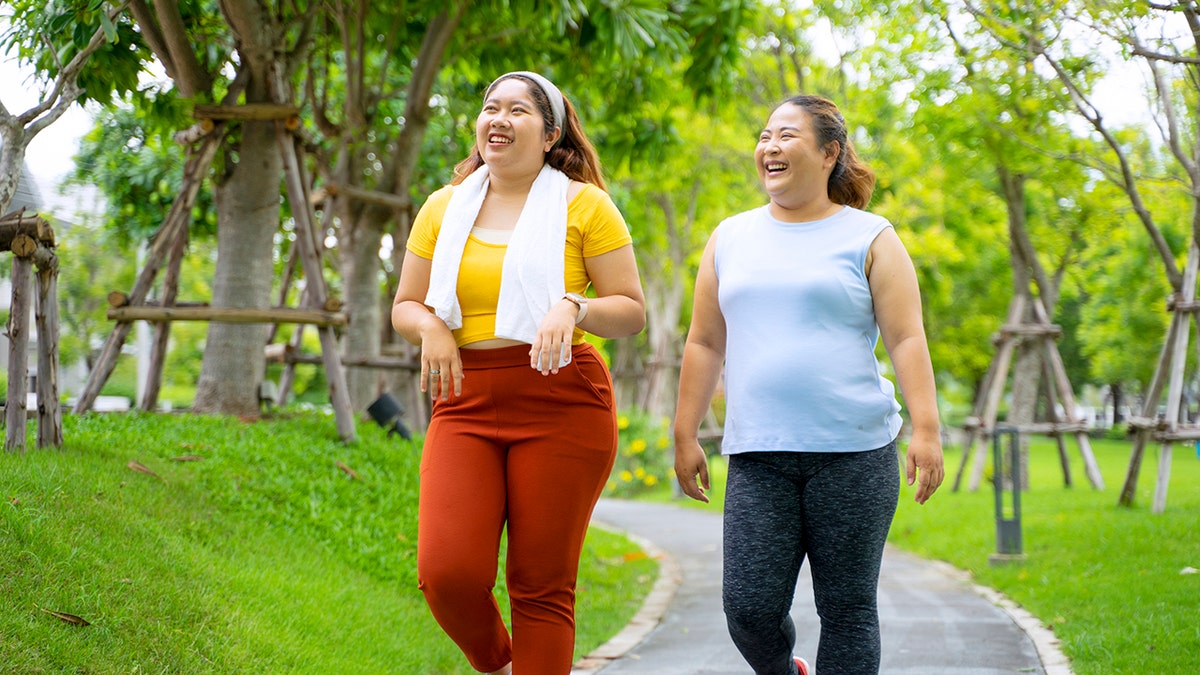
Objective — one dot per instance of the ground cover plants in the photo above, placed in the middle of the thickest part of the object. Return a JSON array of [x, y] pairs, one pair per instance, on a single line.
[[214, 545]]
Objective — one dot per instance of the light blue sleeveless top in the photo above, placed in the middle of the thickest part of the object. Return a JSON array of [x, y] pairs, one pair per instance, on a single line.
[[800, 367]]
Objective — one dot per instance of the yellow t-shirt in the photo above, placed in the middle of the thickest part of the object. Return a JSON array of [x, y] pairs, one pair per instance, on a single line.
[[594, 227]]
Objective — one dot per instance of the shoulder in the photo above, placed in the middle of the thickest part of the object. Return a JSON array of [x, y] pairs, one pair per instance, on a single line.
[[872, 223], [739, 222], [438, 199]]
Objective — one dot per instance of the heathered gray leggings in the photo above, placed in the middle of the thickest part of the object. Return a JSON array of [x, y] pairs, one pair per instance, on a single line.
[[833, 508]]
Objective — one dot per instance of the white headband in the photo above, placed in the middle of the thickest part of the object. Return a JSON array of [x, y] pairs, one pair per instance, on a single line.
[[552, 94]]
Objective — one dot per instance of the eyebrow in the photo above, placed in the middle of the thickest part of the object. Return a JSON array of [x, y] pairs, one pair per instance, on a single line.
[[516, 101], [783, 128]]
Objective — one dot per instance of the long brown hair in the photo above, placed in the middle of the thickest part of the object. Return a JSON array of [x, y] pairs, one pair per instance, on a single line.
[[573, 154], [852, 181]]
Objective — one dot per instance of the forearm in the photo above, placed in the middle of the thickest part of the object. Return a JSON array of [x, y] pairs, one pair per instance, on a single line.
[[412, 320], [614, 316], [698, 377], [914, 374]]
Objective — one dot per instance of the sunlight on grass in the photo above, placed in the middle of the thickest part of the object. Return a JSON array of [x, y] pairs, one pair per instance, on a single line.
[[263, 555]]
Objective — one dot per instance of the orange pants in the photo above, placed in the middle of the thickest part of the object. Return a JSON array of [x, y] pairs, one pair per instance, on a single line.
[[531, 451]]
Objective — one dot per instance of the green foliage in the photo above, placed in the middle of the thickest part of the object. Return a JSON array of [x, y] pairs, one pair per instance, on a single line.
[[276, 548], [129, 157], [49, 35], [645, 457]]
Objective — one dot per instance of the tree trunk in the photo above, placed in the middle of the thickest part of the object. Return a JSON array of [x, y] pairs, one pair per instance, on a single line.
[[359, 256], [12, 160], [248, 218], [663, 305]]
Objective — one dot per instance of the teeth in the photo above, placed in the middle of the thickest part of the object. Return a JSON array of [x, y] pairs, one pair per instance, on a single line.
[[498, 139], [776, 167]]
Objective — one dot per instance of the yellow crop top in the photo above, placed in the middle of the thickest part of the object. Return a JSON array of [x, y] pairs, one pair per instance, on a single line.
[[594, 227]]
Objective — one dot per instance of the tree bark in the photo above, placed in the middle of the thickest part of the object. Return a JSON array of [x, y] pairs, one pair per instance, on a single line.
[[248, 217]]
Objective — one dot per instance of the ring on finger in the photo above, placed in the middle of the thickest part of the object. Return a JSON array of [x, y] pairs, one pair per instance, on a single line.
[[434, 372]]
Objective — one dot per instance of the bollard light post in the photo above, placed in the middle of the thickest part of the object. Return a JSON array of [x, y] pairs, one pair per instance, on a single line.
[[1008, 497]]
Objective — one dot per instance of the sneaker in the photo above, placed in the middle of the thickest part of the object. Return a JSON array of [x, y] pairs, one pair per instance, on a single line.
[[801, 665]]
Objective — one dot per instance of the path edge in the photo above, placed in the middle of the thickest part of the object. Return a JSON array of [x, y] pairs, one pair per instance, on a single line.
[[1054, 661], [648, 617]]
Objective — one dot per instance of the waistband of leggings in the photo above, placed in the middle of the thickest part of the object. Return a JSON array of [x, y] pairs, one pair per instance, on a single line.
[[501, 357]]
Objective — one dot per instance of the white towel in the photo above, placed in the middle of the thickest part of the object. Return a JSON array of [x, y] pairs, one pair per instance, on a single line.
[[532, 277]]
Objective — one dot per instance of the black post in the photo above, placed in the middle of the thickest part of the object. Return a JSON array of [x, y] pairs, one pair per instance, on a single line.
[[1008, 523]]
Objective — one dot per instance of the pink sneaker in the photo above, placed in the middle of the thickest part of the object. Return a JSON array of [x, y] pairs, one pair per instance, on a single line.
[[801, 665]]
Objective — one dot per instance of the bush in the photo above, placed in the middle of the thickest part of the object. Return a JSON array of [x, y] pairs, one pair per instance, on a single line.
[[645, 457], [1117, 432]]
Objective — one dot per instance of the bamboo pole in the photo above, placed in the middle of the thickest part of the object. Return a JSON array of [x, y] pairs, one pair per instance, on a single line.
[[293, 173], [162, 329], [50, 432], [1067, 394], [18, 355], [246, 112], [991, 389], [1144, 424], [361, 194], [316, 317], [1175, 383]]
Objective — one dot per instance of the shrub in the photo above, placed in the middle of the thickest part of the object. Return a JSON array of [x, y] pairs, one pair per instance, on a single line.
[[645, 458]]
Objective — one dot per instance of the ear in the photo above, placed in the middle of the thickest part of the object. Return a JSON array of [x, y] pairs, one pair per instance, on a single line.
[[833, 150], [551, 139]]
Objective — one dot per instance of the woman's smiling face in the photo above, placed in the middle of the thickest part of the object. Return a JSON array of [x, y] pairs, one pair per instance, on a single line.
[[790, 160], [510, 130]]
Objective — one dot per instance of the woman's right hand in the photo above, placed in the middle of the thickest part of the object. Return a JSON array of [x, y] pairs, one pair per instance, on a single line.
[[441, 364], [691, 469]]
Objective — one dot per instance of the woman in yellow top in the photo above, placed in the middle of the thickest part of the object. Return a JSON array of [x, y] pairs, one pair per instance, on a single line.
[[523, 433]]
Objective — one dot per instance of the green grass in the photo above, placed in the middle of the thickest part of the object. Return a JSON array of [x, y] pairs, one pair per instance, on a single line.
[[1105, 578], [264, 556]]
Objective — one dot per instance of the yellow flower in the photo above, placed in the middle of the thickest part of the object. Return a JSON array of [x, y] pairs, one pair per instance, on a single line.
[[623, 422], [626, 476], [651, 480], [663, 442], [640, 472], [638, 445]]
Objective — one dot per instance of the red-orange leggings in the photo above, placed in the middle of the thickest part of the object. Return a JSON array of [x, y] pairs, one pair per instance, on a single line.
[[531, 451]]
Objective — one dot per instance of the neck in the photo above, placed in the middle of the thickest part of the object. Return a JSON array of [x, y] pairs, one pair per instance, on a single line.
[[802, 212], [512, 183]]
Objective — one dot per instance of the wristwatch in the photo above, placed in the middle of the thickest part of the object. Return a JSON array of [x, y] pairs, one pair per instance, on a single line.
[[580, 302]]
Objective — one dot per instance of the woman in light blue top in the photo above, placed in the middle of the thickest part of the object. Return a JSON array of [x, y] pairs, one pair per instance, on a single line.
[[790, 301]]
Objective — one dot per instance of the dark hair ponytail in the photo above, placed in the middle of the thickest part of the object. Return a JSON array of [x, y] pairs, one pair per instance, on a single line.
[[852, 181]]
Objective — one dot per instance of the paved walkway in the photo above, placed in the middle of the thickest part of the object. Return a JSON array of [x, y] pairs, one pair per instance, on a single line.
[[933, 619]]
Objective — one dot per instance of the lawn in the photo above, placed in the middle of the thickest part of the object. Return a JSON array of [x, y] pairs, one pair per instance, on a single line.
[[1113, 583], [212, 545]]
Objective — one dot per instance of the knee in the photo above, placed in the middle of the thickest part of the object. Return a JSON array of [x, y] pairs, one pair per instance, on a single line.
[[448, 583]]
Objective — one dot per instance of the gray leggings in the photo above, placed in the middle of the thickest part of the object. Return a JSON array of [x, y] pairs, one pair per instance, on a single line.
[[833, 508]]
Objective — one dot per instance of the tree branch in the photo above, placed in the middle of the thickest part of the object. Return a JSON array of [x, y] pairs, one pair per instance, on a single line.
[[191, 78], [66, 88]]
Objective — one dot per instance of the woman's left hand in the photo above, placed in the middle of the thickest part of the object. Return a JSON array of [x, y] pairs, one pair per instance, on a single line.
[[925, 465], [552, 346]]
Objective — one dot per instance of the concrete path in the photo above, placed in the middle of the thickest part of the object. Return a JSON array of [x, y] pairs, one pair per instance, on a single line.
[[933, 619]]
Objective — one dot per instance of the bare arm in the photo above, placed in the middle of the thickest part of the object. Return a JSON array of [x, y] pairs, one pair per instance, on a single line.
[[415, 322], [618, 310], [897, 300], [703, 358]]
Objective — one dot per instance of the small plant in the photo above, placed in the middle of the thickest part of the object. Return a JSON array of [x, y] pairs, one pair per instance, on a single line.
[[644, 456]]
